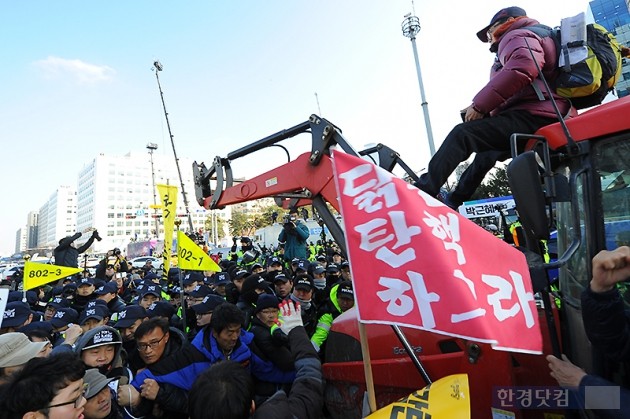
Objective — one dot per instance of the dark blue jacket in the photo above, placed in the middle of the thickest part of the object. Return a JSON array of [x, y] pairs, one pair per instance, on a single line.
[[183, 367]]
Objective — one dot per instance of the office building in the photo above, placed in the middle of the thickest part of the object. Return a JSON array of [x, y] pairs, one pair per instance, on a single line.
[[57, 217], [116, 195]]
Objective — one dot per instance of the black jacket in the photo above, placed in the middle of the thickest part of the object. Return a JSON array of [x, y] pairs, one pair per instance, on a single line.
[[66, 255], [274, 348], [271, 348], [102, 267], [172, 401], [306, 398], [607, 323]]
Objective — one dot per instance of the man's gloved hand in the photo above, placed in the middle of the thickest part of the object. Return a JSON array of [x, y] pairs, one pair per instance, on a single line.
[[291, 316], [96, 236]]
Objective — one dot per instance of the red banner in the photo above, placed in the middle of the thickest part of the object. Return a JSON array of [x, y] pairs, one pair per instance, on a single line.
[[417, 263]]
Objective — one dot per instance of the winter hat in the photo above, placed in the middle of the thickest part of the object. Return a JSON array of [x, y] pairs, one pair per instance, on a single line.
[[266, 301]]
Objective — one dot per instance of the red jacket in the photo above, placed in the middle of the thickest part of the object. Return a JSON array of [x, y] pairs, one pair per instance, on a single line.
[[514, 71]]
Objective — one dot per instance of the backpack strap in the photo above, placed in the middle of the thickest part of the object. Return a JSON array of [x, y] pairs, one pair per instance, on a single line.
[[542, 31]]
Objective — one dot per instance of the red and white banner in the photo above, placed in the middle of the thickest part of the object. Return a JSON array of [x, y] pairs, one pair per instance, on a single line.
[[417, 263]]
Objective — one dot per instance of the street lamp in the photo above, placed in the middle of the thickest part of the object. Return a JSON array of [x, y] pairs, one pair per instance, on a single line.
[[410, 28], [152, 147]]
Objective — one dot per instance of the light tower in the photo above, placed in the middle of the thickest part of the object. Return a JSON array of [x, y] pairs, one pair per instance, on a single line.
[[157, 66], [410, 28], [152, 147]]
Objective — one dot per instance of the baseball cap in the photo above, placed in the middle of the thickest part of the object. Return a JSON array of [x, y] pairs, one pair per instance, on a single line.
[[98, 303], [200, 291], [31, 297], [208, 304], [95, 312], [345, 290], [64, 316], [241, 274], [295, 261], [95, 381], [280, 277], [345, 264], [69, 288], [161, 309], [151, 275], [319, 269], [58, 302], [304, 283], [104, 335], [107, 288], [191, 277], [85, 281], [15, 314], [129, 315], [151, 289], [38, 325], [221, 278], [332, 268], [274, 261], [321, 258], [500, 15], [16, 349], [252, 283], [303, 265]]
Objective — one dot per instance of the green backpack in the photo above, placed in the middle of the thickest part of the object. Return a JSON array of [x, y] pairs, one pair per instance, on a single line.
[[587, 82]]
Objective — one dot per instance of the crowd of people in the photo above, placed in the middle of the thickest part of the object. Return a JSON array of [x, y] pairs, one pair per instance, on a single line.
[[123, 343]]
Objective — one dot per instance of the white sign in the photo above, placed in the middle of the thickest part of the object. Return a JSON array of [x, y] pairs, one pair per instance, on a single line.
[[4, 297]]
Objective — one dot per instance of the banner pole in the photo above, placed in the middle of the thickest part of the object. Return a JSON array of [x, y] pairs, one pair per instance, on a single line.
[[367, 367]]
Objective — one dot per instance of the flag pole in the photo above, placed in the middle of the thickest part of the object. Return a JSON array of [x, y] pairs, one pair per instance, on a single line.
[[367, 367]]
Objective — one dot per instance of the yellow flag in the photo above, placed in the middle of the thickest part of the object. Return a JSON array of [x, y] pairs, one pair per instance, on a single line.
[[38, 274], [192, 257], [447, 398], [168, 198]]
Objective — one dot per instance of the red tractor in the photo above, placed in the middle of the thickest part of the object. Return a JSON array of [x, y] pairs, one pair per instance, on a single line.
[[570, 190]]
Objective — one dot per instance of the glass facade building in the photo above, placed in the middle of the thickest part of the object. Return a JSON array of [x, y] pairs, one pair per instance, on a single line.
[[614, 15]]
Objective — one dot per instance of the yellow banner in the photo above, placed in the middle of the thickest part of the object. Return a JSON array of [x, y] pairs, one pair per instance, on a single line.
[[38, 274], [192, 257], [447, 398], [168, 198]]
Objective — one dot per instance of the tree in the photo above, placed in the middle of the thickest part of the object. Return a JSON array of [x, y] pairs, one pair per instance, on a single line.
[[243, 224], [220, 222], [239, 224], [495, 184]]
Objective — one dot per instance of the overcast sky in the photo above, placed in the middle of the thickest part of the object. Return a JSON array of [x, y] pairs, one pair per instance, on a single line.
[[77, 80]]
